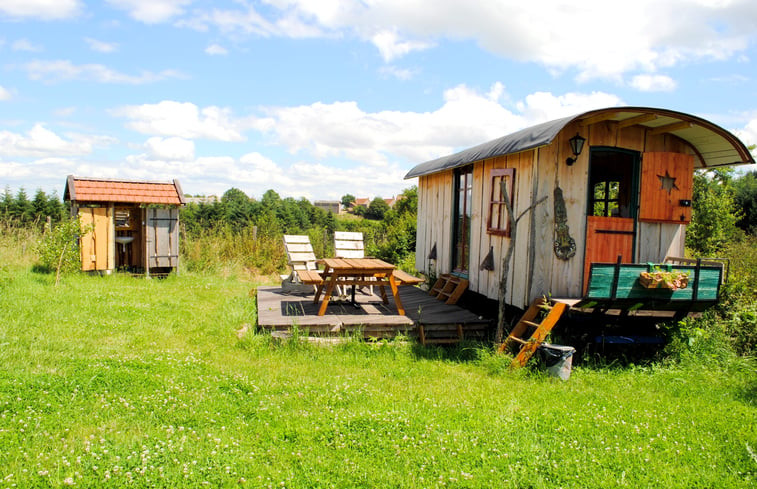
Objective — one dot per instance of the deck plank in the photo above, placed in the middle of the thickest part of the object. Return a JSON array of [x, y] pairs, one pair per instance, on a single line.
[[280, 311]]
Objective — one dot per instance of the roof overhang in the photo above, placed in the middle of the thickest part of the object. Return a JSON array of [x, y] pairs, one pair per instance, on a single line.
[[712, 145]]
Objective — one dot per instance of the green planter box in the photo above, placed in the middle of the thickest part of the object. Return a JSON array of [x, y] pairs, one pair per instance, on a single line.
[[611, 281]]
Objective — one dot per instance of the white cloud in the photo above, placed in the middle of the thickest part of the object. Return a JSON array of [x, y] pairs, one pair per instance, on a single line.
[[101, 46], [544, 106], [559, 34], [4, 94], [41, 142], [25, 45], [748, 134], [466, 118], [172, 149], [65, 111], [41, 9], [64, 70], [183, 120], [339, 148], [216, 50], [44, 172], [151, 11], [398, 73], [653, 83], [391, 47]]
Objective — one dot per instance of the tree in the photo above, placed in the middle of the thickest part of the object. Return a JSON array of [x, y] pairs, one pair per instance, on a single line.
[[55, 208], [714, 218], [22, 208], [407, 201], [347, 200], [237, 208], [270, 199], [745, 197], [6, 204], [360, 210], [377, 208]]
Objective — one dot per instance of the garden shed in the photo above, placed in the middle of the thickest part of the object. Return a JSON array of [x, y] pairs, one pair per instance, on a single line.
[[134, 224], [608, 183]]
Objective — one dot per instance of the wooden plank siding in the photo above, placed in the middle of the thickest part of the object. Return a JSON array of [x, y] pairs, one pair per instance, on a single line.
[[565, 280], [435, 196], [535, 270]]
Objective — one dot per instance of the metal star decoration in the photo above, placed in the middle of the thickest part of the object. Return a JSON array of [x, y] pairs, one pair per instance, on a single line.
[[667, 182]]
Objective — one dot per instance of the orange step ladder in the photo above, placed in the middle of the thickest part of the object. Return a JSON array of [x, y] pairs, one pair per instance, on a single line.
[[532, 329]]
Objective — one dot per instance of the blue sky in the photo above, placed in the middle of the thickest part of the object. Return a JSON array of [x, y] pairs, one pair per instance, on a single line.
[[321, 98]]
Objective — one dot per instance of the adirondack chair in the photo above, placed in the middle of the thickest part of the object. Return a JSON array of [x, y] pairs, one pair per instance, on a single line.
[[301, 260], [349, 245]]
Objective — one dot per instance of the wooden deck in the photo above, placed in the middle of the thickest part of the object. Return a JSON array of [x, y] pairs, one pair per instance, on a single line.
[[440, 322]]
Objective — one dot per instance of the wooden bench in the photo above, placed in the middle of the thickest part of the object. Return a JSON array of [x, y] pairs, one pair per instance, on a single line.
[[404, 278], [310, 277]]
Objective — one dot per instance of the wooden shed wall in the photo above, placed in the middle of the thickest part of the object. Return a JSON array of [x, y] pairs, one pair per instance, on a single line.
[[535, 270]]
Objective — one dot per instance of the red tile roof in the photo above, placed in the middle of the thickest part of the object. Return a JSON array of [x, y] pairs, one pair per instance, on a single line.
[[80, 189]]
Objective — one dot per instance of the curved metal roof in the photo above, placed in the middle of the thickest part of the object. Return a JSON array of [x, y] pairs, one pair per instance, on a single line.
[[713, 145]]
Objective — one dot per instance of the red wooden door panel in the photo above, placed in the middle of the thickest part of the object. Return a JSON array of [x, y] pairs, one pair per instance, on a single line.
[[606, 238], [666, 183]]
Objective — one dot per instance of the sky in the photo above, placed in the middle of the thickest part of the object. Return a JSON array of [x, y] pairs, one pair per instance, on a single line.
[[322, 98]]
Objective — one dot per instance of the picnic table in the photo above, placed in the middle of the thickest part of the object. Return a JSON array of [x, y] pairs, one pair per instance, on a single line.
[[357, 272]]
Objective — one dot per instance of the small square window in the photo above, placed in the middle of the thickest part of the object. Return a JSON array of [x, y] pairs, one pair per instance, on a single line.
[[498, 222]]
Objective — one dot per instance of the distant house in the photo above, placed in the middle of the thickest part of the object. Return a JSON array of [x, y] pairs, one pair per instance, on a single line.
[[365, 202], [204, 199], [134, 224], [332, 206]]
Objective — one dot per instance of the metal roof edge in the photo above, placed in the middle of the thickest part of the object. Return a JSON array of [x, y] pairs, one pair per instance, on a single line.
[[544, 134]]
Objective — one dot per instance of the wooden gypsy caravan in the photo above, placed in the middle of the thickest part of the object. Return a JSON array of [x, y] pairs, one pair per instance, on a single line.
[[135, 224], [610, 186]]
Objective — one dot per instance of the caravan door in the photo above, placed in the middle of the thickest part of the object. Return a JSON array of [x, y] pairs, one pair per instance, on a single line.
[[611, 213]]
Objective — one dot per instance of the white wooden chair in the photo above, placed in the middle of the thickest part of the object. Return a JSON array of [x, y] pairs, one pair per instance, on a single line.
[[349, 245], [301, 258]]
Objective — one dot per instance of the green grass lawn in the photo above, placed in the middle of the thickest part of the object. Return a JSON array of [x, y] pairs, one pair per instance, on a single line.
[[118, 381]]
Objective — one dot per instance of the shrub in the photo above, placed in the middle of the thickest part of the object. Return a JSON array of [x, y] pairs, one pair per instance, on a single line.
[[59, 248], [730, 327]]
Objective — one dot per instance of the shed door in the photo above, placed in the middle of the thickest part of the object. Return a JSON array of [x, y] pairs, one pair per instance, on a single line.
[[96, 244], [163, 237], [611, 216]]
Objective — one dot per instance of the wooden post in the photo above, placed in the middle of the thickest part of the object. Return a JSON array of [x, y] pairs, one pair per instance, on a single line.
[[146, 235], [615, 277]]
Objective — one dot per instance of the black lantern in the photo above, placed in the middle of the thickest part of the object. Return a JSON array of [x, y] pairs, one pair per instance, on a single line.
[[576, 145]]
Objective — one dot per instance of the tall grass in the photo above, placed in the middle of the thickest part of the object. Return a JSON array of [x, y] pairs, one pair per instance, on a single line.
[[17, 245]]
